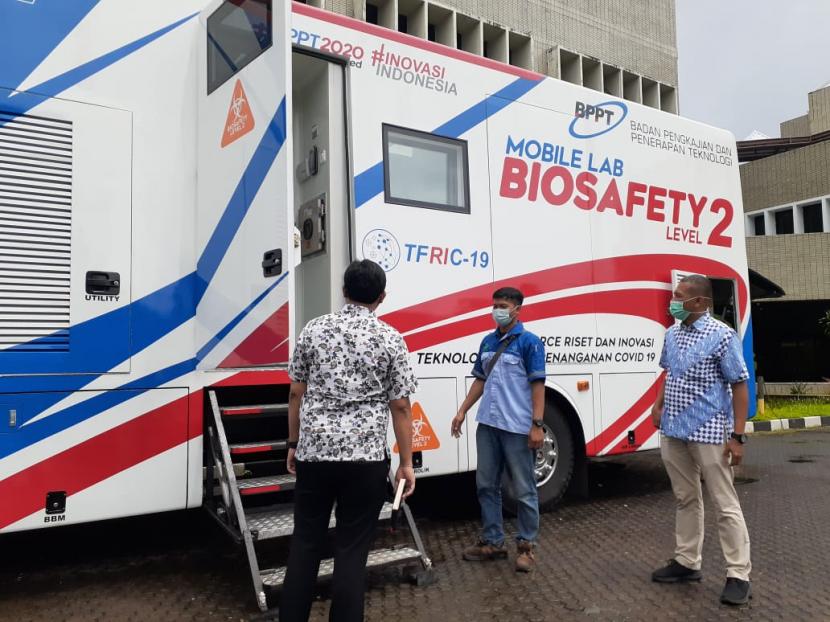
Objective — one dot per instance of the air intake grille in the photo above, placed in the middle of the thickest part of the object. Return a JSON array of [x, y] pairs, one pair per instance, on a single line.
[[35, 232]]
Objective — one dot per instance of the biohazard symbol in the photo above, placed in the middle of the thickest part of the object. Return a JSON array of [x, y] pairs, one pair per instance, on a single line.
[[240, 118], [424, 437]]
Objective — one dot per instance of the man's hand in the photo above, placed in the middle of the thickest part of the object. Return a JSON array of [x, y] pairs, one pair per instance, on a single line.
[[290, 462], [733, 452], [457, 422], [406, 473], [656, 415], [536, 437]]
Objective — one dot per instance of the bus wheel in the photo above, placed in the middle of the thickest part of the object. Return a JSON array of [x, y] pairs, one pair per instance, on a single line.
[[553, 465]]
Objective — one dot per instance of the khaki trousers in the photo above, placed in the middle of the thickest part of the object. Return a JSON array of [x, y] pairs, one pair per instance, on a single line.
[[685, 463]]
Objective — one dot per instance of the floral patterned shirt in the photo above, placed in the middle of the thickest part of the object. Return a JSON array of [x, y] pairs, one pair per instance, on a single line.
[[353, 365]]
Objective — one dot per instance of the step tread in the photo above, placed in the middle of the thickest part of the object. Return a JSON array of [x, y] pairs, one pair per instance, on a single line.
[[253, 409], [272, 483], [259, 446], [377, 559], [280, 523]]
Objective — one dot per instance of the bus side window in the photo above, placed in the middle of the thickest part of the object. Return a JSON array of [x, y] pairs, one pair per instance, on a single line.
[[424, 170], [237, 32]]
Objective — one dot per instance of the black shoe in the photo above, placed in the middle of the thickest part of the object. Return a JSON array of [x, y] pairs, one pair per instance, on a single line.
[[674, 572], [736, 592]]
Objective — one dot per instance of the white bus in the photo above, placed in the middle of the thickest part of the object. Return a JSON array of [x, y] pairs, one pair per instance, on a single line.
[[183, 183]]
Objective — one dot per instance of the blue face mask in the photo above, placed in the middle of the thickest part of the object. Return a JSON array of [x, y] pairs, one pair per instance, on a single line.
[[502, 317]]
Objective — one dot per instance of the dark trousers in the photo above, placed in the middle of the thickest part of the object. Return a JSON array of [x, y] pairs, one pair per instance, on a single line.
[[359, 489]]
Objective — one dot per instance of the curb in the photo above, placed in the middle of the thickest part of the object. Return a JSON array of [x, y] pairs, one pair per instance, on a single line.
[[800, 423]]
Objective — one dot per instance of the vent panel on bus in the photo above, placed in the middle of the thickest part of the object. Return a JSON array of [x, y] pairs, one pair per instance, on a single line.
[[35, 232]]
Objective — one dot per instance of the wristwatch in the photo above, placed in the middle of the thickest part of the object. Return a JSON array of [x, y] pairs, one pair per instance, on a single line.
[[292, 444], [539, 423], [741, 438]]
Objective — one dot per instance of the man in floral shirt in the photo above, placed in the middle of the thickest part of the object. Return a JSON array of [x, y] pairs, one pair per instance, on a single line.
[[349, 370]]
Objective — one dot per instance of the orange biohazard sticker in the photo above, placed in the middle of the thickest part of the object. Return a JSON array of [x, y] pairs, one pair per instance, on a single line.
[[240, 118], [424, 437]]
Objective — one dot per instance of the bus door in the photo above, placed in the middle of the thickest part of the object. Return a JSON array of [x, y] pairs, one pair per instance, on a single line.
[[244, 185]]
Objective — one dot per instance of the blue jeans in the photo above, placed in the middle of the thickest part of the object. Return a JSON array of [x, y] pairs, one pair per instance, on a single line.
[[497, 450]]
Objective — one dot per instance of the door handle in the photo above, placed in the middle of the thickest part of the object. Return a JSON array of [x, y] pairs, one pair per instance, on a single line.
[[103, 283], [272, 263]]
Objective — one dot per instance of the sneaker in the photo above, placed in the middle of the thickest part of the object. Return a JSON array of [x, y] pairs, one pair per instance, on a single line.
[[484, 551], [736, 592], [675, 572], [525, 561]]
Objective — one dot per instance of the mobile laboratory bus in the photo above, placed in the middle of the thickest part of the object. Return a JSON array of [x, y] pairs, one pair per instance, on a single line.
[[183, 183]]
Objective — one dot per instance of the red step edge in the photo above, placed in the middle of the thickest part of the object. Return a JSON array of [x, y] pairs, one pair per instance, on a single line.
[[261, 490], [252, 450]]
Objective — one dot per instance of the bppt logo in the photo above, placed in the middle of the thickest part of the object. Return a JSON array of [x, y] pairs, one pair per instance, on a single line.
[[592, 120]]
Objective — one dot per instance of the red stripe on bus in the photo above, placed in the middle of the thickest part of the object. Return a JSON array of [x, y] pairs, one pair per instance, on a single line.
[[624, 421], [94, 460], [628, 268], [646, 303], [642, 433]]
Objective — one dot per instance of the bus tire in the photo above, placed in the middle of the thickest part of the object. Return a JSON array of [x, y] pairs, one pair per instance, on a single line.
[[554, 464]]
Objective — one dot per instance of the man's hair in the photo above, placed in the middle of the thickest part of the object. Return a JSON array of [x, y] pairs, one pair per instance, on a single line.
[[701, 285], [364, 281], [509, 293]]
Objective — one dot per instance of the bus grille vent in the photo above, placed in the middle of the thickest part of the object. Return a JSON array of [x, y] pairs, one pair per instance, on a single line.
[[35, 232]]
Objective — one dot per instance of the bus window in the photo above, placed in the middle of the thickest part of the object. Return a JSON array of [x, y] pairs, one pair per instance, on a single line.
[[237, 32], [425, 170]]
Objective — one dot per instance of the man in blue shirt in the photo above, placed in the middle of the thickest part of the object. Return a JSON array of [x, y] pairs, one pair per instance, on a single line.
[[510, 380], [701, 437]]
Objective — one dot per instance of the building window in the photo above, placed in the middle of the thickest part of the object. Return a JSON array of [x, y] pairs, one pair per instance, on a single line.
[[371, 13], [237, 32], [813, 222], [759, 225], [425, 170], [784, 222]]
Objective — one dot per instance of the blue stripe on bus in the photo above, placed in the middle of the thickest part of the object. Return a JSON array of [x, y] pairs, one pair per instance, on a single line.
[[22, 102], [101, 401], [29, 32], [749, 358], [369, 183]]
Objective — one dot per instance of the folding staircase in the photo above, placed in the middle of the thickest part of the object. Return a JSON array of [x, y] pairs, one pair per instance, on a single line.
[[249, 491]]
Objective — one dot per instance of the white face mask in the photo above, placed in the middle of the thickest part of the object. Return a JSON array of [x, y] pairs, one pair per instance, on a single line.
[[502, 317]]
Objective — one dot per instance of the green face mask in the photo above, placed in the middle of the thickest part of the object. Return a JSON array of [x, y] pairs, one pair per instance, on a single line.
[[677, 311]]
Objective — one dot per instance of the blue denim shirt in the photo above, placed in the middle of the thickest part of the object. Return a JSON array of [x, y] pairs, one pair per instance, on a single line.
[[506, 403]]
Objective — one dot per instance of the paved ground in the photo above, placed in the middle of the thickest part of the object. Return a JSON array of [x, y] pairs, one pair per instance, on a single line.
[[594, 561]]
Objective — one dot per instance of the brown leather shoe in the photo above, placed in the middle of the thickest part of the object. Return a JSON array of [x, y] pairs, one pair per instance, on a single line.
[[484, 551], [525, 561]]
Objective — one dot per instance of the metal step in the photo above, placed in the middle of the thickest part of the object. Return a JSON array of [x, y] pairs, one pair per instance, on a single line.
[[280, 523], [255, 448], [377, 559], [260, 409], [263, 485]]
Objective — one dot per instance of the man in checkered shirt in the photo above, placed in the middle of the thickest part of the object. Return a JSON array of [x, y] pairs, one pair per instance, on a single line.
[[705, 384]]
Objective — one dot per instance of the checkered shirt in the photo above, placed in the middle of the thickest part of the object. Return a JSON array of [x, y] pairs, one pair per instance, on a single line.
[[701, 361]]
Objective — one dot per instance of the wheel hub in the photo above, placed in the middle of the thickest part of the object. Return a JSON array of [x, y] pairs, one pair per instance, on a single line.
[[546, 457]]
